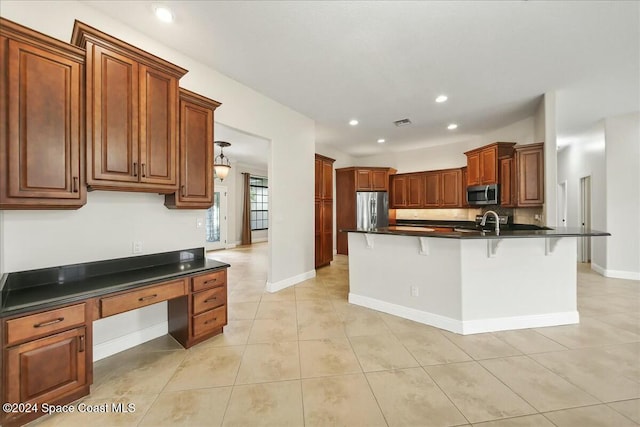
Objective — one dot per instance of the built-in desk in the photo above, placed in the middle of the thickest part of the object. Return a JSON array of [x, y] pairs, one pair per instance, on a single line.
[[46, 319]]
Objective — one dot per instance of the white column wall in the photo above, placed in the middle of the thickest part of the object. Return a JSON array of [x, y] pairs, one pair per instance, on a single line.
[[550, 161], [622, 135]]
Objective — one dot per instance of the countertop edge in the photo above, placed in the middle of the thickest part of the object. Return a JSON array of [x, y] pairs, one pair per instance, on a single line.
[[506, 234]]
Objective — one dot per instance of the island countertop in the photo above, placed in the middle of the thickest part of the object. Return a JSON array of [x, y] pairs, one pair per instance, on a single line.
[[450, 231]]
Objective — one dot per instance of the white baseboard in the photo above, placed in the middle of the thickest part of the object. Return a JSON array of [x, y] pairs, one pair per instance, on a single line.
[[259, 240], [615, 274], [470, 326], [111, 347], [282, 284], [419, 316], [230, 245]]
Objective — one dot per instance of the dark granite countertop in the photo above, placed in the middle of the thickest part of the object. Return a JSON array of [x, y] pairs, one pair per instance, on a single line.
[[32, 290], [468, 230]]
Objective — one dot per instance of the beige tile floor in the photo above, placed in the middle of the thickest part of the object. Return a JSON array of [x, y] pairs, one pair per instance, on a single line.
[[304, 356]]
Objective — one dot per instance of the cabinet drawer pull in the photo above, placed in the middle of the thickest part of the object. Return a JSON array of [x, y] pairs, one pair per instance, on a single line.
[[81, 349], [50, 322], [206, 322], [210, 300], [75, 184], [210, 281], [135, 169], [148, 297], [183, 191], [143, 170]]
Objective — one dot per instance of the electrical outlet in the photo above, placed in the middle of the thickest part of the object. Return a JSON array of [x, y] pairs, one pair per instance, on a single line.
[[199, 222], [137, 247], [414, 291]]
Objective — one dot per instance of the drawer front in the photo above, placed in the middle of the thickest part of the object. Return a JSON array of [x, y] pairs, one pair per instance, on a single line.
[[209, 320], [211, 298], [209, 280], [141, 298], [36, 325]]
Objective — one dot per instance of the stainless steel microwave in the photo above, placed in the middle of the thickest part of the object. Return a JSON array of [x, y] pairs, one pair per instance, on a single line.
[[483, 194]]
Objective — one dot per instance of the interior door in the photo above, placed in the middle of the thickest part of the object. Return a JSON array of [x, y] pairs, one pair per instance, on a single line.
[[216, 220]]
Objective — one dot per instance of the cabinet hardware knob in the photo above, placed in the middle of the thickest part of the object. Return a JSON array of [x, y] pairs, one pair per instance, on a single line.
[[81, 349], [75, 184], [183, 191], [143, 167], [50, 322], [135, 169], [148, 297]]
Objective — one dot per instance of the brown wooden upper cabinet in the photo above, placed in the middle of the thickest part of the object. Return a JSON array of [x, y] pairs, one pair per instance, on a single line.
[[374, 179], [507, 187], [406, 190], [195, 189], [530, 174], [482, 163], [442, 189], [132, 115], [42, 119]]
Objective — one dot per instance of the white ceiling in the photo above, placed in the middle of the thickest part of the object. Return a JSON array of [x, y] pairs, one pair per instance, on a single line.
[[380, 61]]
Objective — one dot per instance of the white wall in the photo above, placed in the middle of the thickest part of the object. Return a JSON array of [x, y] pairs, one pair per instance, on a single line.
[[550, 160], [106, 226], [622, 135], [585, 156], [450, 155]]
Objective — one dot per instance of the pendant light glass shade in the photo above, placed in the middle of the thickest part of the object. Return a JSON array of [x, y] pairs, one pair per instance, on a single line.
[[221, 165]]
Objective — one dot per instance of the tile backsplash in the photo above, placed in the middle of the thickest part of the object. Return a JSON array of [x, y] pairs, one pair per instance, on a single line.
[[520, 215]]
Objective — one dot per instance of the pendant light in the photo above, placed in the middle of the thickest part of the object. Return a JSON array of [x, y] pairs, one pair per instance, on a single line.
[[221, 165]]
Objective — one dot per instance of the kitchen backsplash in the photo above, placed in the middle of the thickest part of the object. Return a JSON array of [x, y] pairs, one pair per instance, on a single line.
[[454, 214], [520, 215]]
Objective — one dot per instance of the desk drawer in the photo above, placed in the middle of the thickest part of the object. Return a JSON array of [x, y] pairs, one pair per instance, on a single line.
[[211, 298], [142, 297], [209, 280], [209, 321], [37, 325]]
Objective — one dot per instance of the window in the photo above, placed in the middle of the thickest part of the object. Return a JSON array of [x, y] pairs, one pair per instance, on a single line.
[[259, 193]]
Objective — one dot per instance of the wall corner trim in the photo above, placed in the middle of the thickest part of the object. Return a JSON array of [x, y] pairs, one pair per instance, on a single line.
[[282, 284]]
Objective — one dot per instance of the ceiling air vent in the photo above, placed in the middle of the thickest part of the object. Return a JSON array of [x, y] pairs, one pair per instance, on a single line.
[[402, 122]]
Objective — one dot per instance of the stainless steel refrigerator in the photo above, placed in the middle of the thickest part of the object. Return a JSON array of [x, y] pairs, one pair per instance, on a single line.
[[372, 209]]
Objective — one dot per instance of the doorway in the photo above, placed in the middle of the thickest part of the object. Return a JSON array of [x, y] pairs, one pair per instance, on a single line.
[[562, 204], [584, 244], [216, 220]]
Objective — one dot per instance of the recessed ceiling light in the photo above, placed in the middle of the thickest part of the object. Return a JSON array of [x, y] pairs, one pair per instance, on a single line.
[[442, 98], [164, 14], [452, 126], [381, 141], [353, 122]]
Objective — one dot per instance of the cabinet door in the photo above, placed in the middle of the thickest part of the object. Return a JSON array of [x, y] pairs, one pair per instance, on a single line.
[[363, 180], [112, 117], [44, 369], [379, 180], [488, 166], [473, 169], [318, 232], [530, 166], [450, 196], [327, 180], [327, 231], [432, 189], [196, 155], [506, 182], [398, 192], [158, 105], [41, 138], [414, 190], [463, 188], [318, 177]]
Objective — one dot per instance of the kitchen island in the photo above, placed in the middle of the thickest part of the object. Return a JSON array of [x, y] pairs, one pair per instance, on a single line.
[[467, 281]]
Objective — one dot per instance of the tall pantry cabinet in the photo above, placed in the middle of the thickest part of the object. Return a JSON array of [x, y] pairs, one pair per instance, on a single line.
[[323, 210]]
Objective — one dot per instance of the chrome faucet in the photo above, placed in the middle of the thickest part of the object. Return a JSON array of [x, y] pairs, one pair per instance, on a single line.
[[484, 220]]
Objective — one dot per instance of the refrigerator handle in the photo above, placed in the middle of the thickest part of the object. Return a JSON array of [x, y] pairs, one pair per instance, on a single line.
[[374, 212]]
